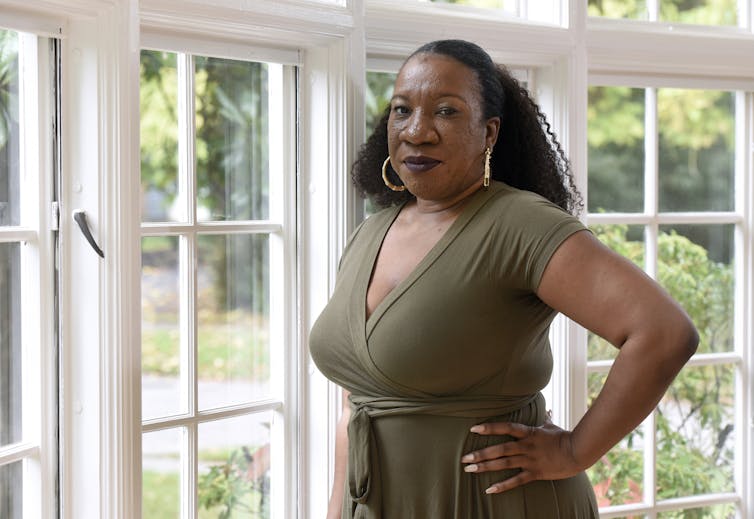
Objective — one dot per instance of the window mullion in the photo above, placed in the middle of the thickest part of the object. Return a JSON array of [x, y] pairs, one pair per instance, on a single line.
[[188, 275], [651, 186]]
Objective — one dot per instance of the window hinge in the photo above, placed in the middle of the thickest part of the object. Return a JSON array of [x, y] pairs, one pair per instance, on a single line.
[[55, 217]]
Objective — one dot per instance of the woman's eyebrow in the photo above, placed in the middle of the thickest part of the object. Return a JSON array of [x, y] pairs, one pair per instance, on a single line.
[[456, 96]]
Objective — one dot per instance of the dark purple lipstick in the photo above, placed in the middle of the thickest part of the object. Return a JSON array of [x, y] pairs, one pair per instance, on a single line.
[[420, 163]]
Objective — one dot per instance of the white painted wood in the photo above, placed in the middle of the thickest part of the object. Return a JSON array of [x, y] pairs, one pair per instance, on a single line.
[[394, 29], [17, 234], [645, 218], [675, 50], [39, 23], [155, 39], [225, 227], [17, 452], [120, 292], [81, 276], [287, 24]]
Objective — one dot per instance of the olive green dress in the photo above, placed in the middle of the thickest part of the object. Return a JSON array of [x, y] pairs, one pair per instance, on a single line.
[[462, 340]]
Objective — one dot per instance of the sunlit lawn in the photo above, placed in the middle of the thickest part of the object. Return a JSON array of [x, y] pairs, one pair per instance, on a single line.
[[238, 350]]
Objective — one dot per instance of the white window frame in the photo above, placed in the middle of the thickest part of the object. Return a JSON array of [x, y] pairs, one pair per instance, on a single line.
[[652, 218], [280, 227], [36, 450]]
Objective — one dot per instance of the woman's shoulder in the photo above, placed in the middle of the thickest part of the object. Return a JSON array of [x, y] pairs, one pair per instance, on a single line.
[[512, 205]]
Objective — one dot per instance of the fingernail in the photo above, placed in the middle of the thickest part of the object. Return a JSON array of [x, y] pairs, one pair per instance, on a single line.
[[471, 468], [491, 490], [477, 429], [467, 458]]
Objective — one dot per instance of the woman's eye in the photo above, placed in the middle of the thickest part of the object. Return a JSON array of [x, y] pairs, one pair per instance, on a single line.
[[447, 111], [400, 110]]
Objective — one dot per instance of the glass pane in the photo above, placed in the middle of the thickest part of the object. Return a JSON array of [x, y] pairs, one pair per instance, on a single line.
[[233, 305], [727, 511], [696, 266], [696, 150], [161, 474], [160, 327], [11, 490], [10, 344], [232, 149], [506, 5], [632, 9], [234, 467], [695, 434], [9, 130], [378, 94], [159, 136], [706, 12], [618, 476], [616, 149], [628, 241]]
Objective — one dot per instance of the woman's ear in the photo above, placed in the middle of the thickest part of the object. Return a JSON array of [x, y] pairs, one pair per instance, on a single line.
[[493, 128]]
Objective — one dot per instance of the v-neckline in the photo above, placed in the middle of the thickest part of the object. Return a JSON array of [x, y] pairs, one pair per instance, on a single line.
[[467, 212]]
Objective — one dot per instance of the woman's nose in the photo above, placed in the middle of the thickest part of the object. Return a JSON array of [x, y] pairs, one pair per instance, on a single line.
[[419, 129]]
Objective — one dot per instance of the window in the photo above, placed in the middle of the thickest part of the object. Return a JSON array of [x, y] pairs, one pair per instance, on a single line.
[[707, 12], [217, 182], [662, 184], [28, 347]]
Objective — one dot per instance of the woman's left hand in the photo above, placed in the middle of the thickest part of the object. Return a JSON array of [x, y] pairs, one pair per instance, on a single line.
[[544, 452]]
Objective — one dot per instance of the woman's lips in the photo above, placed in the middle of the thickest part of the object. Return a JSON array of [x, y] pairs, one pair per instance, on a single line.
[[420, 164]]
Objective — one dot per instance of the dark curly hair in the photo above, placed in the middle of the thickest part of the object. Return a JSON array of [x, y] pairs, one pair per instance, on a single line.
[[527, 154]]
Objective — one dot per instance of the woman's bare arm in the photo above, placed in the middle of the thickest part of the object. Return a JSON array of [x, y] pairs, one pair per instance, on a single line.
[[613, 298], [341, 458]]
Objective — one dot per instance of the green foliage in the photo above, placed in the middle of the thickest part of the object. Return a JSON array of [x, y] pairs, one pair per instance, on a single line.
[[706, 12], [694, 421], [8, 84], [235, 488], [377, 97]]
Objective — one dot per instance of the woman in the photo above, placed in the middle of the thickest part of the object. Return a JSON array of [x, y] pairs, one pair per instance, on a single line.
[[437, 327]]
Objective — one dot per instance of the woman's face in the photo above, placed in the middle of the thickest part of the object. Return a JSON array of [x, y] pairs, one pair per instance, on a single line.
[[437, 133]]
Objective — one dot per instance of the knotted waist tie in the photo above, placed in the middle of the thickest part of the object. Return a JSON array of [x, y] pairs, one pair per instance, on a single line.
[[362, 447]]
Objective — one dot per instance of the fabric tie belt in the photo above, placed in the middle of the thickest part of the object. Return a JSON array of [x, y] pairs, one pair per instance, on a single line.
[[362, 447]]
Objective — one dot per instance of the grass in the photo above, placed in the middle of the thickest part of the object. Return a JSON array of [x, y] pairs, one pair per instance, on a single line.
[[238, 349]]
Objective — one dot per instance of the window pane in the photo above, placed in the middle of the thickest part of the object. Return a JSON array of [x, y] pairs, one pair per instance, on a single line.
[[232, 132], [506, 5], [233, 306], [706, 12], [628, 241], [695, 435], [727, 511], [696, 266], [161, 474], [160, 328], [11, 490], [696, 150], [9, 130], [378, 94], [10, 344], [616, 149], [234, 467], [633, 9], [159, 136], [618, 476]]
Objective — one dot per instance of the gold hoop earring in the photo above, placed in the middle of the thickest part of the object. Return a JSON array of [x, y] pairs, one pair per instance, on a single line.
[[487, 155], [386, 180]]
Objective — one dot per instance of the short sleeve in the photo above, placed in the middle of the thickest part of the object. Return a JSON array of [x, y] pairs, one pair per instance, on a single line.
[[528, 229]]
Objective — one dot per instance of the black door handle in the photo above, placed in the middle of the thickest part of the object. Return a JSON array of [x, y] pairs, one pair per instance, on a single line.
[[80, 217]]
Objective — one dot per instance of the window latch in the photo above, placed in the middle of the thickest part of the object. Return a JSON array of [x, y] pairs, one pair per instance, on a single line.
[[79, 216]]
